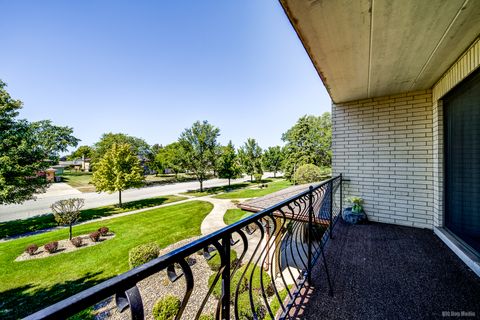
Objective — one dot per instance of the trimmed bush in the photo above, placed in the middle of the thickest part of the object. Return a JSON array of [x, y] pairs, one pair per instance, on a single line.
[[243, 283], [51, 247], [142, 254], [244, 308], [77, 241], [103, 231], [31, 249], [215, 262], [308, 173], [67, 212], [95, 236], [166, 308]]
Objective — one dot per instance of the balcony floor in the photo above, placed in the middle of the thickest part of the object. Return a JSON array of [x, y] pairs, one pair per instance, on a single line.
[[382, 271]]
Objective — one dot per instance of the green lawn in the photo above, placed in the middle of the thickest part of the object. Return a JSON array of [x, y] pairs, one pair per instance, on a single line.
[[79, 180], [21, 226], [160, 179], [215, 190], [254, 191], [234, 215], [31, 285], [230, 188]]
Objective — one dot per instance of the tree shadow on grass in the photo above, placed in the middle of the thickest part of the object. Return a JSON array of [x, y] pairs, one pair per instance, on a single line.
[[215, 190], [106, 211], [16, 227], [41, 223], [23, 301]]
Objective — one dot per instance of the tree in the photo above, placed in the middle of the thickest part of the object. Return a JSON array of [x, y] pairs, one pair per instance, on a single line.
[[53, 139], [81, 152], [24, 149], [228, 167], [67, 212], [308, 141], [138, 145], [198, 145], [118, 170], [169, 157], [272, 159], [250, 155], [308, 173]]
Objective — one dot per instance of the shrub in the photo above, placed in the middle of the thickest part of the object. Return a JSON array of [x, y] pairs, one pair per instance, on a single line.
[[243, 283], [166, 308], [51, 247], [207, 317], [77, 241], [94, 236], [215, 262], [308, 173], [103, 231], [258, 177], [217, 290], [31, 249], [244, 308], [142, 254]]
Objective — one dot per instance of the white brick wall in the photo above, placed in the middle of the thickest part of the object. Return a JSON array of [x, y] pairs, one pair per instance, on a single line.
[[385, 147]]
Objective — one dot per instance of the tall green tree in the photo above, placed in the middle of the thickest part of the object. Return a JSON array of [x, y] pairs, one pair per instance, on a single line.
[[82, 151], [198, 145], [309, 141], [250, 155], [272, 159], [228, 167], [118, 170], [169, 157], [138, 145], [24, 149], [53, 139], [154, 149]]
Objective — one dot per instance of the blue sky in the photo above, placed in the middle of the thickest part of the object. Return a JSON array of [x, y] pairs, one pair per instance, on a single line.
[[152, 68]]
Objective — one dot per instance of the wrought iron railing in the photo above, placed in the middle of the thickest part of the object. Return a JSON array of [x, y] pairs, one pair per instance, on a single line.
[[277, 249]]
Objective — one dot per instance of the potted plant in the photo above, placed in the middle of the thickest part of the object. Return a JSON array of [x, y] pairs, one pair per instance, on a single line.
[[355, 213]]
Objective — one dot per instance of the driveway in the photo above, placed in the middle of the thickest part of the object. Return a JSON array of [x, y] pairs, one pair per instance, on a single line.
[[58, 190], [92, 200]]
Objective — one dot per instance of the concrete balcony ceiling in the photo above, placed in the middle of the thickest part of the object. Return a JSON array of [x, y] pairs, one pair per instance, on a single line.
[[371, 48]]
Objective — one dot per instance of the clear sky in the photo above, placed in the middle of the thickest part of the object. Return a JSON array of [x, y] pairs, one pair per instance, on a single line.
[[152, 68]]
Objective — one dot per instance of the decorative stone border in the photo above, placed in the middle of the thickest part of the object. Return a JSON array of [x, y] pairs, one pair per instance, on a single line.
[[64, 246]]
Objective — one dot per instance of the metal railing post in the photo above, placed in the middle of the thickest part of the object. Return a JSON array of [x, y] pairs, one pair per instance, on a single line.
[[226, 279], [341, 193], [310, 234], [330, 196]]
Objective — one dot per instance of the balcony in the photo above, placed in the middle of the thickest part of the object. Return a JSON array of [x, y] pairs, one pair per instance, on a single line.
[[296, 259], [382, 271]]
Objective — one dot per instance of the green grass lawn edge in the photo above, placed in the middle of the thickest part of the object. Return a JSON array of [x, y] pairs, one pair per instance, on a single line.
[[254, 191], [233, 215], [19, 227]]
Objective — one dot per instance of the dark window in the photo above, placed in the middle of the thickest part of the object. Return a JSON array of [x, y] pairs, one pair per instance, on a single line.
[[462, 160]]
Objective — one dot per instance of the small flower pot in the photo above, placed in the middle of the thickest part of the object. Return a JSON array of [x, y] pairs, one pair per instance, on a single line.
[[353, 217]]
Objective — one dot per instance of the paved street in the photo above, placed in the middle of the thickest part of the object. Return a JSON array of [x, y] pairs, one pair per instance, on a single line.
[[42, 204]]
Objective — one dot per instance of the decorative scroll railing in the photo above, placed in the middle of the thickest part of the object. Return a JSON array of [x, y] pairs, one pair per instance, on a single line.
[[276, 250]]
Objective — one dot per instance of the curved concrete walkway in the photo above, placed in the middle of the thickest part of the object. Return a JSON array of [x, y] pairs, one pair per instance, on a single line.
[[214, 220]]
